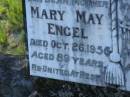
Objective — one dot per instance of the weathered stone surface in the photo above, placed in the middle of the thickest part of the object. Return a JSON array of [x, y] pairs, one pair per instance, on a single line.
[[14, 83]]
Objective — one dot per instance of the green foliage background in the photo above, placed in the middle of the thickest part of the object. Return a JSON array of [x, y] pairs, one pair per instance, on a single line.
[[11, 27]]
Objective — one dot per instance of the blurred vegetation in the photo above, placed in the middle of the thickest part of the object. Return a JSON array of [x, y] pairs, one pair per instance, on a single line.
[[11, 27]]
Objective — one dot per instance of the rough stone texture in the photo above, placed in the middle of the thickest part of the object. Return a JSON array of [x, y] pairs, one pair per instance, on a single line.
[[14, 82]]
